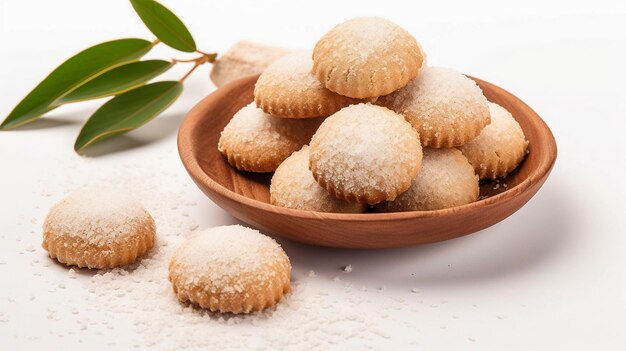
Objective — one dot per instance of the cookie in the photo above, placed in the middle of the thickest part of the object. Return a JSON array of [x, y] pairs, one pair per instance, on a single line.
[[244, 59], [365, 153], [293, 186], [98, 227], [287, 88], [257, 142], [499, 148], [230, 269], [366, 57], [445, 107], [445, 180]]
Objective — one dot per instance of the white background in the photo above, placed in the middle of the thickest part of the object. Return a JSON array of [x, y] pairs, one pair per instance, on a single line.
[[554, 271]]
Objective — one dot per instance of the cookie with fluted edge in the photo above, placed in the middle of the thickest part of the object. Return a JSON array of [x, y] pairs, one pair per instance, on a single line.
[[98, 227], [365, 153], [499, 148], [445, 180], [293, 186], [254, 141], [287, 88], [230, 269], [366, 57], [444, 106]]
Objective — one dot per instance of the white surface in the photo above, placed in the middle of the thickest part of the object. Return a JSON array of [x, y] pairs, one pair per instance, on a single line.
[[554, 272]]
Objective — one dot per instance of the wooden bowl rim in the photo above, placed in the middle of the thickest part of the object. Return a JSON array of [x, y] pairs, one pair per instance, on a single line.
[[193, 167]]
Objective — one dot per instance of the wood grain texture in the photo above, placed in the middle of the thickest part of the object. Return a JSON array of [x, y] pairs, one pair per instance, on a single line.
[[246, 195]]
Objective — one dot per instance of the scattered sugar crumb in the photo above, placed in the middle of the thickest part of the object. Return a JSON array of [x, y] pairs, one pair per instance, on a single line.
[[314, 315]]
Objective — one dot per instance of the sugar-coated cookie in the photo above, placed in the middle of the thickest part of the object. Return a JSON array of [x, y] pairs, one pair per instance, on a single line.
[[445, 107], [257, 142], [98, 227], [287, 88], [365, 153], [499, 148], [244, 59], [230, 269], [366, 57], [445, 180], [293, 186]]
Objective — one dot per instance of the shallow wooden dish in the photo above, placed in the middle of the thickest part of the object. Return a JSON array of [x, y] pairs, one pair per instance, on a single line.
[[246, 195]]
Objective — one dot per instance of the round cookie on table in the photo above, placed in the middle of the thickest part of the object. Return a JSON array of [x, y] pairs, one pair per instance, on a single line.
[[499, 148], [366, 57], [445, 180], [445, 107], [365, 153], [287, 88], [98, 227], [230, 269], [257, 142], [293, 186]]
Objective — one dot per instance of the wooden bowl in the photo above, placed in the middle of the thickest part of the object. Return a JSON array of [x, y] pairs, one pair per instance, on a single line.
[[246, 195]]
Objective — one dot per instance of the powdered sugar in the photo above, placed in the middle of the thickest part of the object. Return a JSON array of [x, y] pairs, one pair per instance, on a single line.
[[445, 107], [99, 214], [446, 179], [261, 142], [366, 57], [360, 37], [500, 146], [121, 308], [293, 186], [288, 88], [366, 150], [226, 250], [295, 67], [226, 263]]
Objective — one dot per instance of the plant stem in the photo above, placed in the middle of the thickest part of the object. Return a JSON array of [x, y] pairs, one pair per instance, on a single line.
[[191, 71], [186, 60], [211, 56], [198, 61]]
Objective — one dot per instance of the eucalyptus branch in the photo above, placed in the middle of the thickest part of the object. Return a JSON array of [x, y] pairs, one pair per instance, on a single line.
[[121, 75]]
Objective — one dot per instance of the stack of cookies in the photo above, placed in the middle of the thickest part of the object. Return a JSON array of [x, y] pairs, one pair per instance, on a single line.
[[362, 123]]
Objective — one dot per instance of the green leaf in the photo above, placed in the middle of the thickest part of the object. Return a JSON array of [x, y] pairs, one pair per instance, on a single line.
[[128, 111], [117, 80], [164, 24], [71, 74]]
